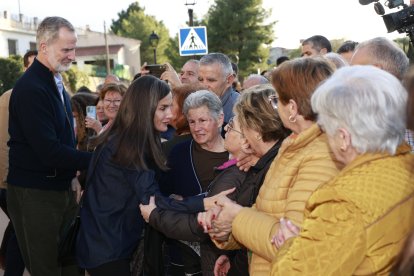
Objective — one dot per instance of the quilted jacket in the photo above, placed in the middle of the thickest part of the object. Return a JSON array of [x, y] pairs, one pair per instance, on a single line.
[[303, 164], [356, 223]]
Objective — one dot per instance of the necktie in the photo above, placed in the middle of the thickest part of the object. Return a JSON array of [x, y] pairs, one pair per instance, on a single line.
[[59, 84]]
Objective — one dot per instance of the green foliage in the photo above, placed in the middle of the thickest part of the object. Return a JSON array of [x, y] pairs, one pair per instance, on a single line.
[[134, 23], [236, 28], [11, 69], [73, 79]]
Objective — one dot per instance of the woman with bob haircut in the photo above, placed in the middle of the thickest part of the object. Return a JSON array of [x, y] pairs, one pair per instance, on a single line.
[[356, 223], [304, 163], [122, 174]]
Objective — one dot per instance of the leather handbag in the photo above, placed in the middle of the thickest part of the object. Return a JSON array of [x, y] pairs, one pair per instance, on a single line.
[[67, 242]]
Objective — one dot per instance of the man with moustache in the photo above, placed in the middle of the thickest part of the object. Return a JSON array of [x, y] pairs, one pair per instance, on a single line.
[[42, 157]]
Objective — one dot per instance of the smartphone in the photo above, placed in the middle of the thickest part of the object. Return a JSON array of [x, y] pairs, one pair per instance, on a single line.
[[91, 111], [156, 69]]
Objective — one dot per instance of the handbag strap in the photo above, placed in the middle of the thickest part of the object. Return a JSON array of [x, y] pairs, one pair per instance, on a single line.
[[93, 167]]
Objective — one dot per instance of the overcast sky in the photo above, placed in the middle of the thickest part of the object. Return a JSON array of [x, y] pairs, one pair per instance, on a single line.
[[297, 19]]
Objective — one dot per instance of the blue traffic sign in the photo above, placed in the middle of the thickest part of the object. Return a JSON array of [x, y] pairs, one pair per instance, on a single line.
[[193, 41]]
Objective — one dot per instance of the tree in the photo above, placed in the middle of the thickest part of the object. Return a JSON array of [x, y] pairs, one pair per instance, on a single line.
[[11, 69], [134, 23], [236, 28], [73, 79]]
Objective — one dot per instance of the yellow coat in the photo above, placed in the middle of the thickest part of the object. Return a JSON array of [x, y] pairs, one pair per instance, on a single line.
[[301, 166], [356, 223]]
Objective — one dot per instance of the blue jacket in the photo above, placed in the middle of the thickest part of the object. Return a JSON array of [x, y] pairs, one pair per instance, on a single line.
[[228, 99], [111, 222], [42, 146]]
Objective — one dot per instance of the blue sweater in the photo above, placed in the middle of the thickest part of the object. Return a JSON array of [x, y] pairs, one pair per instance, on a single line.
[[42, 146]]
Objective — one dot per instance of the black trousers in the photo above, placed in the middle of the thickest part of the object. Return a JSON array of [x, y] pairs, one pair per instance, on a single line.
[[118, 268]]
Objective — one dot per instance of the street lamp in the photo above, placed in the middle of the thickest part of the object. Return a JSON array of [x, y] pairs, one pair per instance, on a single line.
[[153, 40]]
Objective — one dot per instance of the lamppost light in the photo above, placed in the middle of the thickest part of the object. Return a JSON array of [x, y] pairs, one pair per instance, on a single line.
[[154, 39]]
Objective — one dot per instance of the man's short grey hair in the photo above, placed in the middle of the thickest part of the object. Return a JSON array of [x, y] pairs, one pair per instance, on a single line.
[[48, 29], [367, 101], [204, 98], [336, 59], [386, 54], [195, 61], [259, 79], [219, 58]]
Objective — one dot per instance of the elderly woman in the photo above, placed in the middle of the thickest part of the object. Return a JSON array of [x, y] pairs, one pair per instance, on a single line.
[[303, 164], [111, 96], [357, 222], [192, 162], [256, 117]]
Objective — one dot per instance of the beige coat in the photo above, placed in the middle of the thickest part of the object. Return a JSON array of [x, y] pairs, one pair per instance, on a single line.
[[4, 137]]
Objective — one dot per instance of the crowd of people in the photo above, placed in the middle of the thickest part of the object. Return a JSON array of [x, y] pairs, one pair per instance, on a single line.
[[305, 170]]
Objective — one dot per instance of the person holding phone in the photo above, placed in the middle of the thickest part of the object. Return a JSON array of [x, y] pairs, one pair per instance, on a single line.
[[111, 96]]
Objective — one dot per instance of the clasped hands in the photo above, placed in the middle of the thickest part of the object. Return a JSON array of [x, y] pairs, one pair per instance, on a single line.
[[217, 221]]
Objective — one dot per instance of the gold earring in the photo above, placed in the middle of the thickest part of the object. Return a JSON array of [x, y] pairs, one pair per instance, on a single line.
[[292, 119]]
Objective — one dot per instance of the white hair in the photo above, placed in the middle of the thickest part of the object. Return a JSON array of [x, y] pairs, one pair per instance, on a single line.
[[367, 101]]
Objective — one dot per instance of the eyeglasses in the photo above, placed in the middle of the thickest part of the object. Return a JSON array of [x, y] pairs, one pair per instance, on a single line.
[[273, 99], [115, 102], [230, 127]]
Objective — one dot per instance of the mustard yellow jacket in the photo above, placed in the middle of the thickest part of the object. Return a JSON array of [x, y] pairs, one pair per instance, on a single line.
[[356, 223], [303, 164]]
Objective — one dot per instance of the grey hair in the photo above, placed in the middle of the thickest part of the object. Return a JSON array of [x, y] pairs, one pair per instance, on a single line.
[[258, 79], [205, 98], [48, 30], [336, 59], [387, 54], [195, 61], [219, 58], [367, 101]]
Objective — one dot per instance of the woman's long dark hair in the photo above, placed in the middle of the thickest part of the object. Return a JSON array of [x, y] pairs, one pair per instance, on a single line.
[[137, 141]]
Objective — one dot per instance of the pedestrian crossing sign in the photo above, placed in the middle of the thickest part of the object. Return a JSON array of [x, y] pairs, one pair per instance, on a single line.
[[193, 41]]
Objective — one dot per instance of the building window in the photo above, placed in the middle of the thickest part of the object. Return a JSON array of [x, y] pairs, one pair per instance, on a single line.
[[32, 46], [12, 46]]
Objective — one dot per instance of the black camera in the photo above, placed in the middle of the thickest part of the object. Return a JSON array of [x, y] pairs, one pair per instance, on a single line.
[[401, 21]]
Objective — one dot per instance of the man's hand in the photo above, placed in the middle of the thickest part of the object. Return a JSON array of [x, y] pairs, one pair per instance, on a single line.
[[144, 71], [77, 189], [171, 76], [146, 210]]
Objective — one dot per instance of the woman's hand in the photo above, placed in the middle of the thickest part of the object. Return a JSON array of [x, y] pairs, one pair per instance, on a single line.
[[205, 218], [93, 124], [222, 266], [146, 210], [210, 202], [286, 231], [247, 158], [222, 224]]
